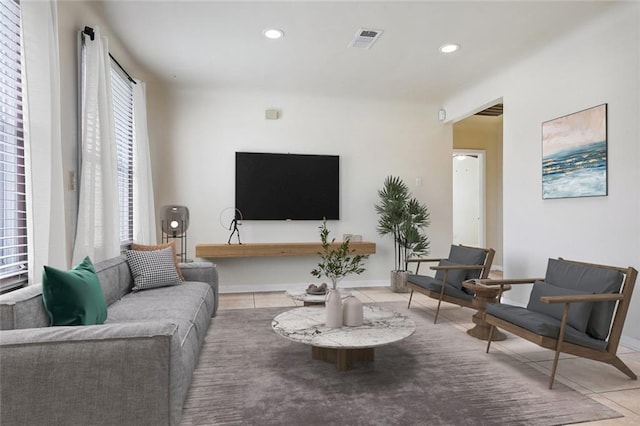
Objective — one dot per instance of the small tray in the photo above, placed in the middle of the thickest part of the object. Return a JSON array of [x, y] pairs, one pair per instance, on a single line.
[[316, 293]]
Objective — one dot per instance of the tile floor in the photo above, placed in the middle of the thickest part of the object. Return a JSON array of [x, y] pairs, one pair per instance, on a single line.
[[599, 381]]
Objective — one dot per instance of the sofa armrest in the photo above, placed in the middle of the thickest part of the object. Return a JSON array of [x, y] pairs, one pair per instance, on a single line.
[[124, 373], [205, 272]]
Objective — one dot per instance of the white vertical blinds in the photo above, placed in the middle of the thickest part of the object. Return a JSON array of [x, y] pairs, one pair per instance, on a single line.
[[13, 209], [123, 118]]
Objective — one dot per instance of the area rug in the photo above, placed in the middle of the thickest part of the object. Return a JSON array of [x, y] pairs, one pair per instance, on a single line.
[[249, 375]]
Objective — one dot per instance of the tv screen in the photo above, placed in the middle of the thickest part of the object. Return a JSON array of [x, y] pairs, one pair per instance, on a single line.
[[287, 186]]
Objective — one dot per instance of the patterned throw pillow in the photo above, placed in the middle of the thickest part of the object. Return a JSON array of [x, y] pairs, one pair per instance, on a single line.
[[143, 247], [152, 269]]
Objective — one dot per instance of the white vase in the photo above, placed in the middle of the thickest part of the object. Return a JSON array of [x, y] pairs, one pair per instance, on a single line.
[[352, 312], [333, 308]]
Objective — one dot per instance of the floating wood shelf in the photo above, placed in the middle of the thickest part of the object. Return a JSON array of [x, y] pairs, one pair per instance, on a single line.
[[274, 249]]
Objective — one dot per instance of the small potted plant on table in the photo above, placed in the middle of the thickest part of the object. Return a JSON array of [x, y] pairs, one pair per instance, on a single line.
[[336, 263]]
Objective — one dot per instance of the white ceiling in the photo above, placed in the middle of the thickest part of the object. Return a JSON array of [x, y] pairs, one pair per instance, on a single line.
[[220, 44]]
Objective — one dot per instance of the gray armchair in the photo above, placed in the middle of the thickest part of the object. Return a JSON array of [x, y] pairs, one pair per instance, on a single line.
[[577, 308], [463, 263]]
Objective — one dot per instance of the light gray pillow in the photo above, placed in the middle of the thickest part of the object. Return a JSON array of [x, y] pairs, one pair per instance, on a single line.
[[152, 269], [578, 312]]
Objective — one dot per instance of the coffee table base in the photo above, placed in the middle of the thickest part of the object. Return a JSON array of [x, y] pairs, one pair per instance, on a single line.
[[342, 357]]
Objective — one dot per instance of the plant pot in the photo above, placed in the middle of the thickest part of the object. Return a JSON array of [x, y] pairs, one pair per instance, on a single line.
[[399, 281]]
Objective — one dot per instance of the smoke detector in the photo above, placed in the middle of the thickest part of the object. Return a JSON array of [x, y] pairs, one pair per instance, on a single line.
[[365, 38]]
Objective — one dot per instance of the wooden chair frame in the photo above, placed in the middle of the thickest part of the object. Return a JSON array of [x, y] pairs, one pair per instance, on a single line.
[[441, 296], [609, 356]]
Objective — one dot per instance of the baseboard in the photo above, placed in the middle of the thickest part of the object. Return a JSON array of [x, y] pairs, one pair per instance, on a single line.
[[257, 288], [630, 342], [497, 268]]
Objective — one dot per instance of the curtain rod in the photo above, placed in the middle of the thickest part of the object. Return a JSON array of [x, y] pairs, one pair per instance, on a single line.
[[89, 31]]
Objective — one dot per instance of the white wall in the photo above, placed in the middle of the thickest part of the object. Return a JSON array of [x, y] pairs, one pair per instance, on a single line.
[[374, 139], [596, 64]]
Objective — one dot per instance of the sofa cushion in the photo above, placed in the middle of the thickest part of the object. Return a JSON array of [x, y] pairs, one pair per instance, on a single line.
[[454, 276], [190, 301], [543, 325], [435, 285], [115, 278], [152, 269], [578, 312], [589, 279], [73, 297], [144, 247]]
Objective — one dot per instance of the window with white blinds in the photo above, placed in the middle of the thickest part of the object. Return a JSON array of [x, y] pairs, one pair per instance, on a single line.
[[123, 117], [13, 208]]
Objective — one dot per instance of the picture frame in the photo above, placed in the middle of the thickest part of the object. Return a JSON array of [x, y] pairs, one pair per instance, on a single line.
[[574, 154]]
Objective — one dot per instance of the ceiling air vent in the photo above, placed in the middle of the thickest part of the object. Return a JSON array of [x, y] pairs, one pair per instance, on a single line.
[[365, 38], [492, 111]]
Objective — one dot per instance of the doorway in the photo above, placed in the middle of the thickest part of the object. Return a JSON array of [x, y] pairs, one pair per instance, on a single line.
[[469, 225]]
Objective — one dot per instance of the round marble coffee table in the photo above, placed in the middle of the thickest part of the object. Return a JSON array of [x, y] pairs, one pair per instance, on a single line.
[[312, 299], [346, 344]]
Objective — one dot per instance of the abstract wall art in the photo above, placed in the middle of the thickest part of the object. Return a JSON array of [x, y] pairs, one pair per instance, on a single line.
[[574, 154]]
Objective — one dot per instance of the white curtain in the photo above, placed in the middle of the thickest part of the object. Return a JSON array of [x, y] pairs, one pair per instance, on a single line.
[[97, 232], [144, 217], [45, 188]]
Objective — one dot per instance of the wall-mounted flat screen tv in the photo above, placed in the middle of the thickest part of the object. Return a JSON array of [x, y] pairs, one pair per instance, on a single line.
[[287, 186]]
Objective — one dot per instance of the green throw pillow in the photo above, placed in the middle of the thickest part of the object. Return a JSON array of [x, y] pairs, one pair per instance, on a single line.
[[73, 297]]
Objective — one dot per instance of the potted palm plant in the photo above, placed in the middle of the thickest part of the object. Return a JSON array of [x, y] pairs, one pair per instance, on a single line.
[[404, 218]]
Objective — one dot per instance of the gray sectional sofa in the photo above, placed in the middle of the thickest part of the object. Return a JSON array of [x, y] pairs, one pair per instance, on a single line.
[[135, 369]]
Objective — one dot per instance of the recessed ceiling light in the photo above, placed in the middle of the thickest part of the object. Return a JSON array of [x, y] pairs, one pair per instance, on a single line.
[[449, 48], [273, 33]]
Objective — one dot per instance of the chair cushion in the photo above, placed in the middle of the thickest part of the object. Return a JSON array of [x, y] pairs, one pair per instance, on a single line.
[[454, 276], [543, 325], [589, 279], [468, 256], [578, 312], [152, 269], [73, 297], [435, 285]]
